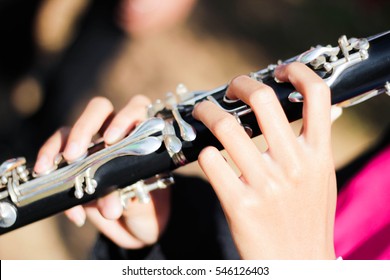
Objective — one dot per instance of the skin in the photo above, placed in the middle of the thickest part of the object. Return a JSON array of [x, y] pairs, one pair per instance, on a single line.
[[140, 224], [282, 206], [144, 17]]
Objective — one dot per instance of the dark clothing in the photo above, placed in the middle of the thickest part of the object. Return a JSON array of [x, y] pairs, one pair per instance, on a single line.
[[197, 229]]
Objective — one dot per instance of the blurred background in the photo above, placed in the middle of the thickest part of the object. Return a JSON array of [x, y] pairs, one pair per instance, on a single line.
[[55, 55]]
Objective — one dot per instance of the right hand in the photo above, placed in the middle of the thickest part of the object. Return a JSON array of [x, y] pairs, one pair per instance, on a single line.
[[140, 224], [282, 205]]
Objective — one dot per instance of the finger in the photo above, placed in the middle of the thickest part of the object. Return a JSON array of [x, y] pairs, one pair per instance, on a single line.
[[76, 215], [225, 182], [146, 221], [113, 229], [233, 137], [269, 113], [316, 107], [110, 206], [52, 147], [126, 119], [91, 120]]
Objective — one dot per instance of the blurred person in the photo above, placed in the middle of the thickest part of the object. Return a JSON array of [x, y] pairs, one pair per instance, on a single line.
[[66, 71], [143, 17], [132, 20], [70, 72], [141, 36]]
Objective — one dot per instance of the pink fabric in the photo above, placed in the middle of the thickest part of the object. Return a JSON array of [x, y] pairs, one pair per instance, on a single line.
[[362, 228]]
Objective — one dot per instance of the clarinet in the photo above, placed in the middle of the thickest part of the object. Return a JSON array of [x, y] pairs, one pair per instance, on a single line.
[[355, 70]]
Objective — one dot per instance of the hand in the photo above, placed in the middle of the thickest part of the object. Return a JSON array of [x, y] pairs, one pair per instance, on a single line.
[[283, 204], [140, 224]]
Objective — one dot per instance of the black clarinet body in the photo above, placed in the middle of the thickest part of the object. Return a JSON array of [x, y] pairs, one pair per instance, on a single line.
[[355, 70], [355, 84]]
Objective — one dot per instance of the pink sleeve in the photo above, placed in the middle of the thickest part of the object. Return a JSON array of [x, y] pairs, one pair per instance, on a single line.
[[362, 228]]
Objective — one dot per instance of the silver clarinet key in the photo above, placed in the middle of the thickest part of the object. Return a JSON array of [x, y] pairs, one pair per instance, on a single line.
[[141, 189], [8, 214]]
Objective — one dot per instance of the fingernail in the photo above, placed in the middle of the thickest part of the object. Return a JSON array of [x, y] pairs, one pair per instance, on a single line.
[[278, 69], [280, 66], [194, 111], [110, 206], [112, 135], [42, 164], [72, 150], [79, 219]]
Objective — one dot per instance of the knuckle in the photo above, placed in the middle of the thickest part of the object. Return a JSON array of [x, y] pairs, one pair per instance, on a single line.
[[102, 101], [122, 121], [140, 112], [125, 118], [223, 125], [292, 171], [140, 100], [208, 155], [80, 128], [295, 174], [238, 81], [247, 203], [318, 86], [262, 96], [294, 66], [199, 108]]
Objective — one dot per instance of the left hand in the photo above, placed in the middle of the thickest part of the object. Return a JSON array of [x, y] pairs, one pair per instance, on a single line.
[[283, 204], [138, 225]]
